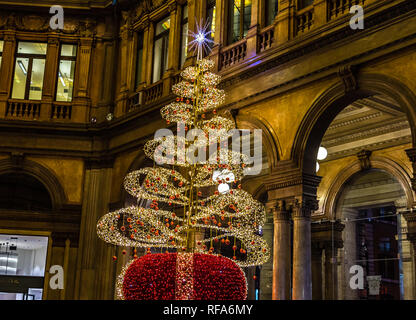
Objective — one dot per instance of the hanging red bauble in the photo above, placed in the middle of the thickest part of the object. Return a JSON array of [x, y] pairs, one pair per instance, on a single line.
[[183, 276]]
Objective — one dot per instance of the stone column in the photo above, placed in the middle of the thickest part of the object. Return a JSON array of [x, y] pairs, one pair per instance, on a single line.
[[331, 276], [281, 253], [350, 250], [317, 271], [302, 268], [6, 69], [50, 76], [81, 103], [94, 278], [266, 273]]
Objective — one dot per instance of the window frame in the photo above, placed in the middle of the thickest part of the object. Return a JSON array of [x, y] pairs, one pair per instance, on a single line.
[[31, 57], [164, 35], [242, 20], [267, 9], [184, 21], [66, 58], [139, 46]]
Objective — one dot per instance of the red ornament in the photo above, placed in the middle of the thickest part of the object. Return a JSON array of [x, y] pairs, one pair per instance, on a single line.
[[184, 276]]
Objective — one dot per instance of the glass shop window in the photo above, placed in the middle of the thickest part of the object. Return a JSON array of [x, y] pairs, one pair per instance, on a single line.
[[22, 266], [29, 71], [161, 47], [66, 73]]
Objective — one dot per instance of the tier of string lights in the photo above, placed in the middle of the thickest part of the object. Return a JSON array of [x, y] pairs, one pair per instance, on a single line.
[[184, 199]]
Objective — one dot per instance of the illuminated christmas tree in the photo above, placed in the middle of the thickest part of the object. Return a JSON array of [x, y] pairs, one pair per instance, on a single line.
[[192, 210]]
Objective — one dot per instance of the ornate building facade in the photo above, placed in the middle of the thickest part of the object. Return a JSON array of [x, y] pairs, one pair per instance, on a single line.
[[77, 105]]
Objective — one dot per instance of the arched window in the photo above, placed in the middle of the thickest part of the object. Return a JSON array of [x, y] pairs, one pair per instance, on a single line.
[[239, 19], [23, 192]]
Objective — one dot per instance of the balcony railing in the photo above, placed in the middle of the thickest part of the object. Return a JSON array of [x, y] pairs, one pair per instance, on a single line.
[[266, 37], [339, 7], [61, 111], [304, 20], [152, 93], [23, 109], [233, 54]]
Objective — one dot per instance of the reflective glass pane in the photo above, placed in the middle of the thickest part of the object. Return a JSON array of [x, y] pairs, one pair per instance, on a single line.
[[139, 59], [65, 83], [68, 50], [162, 26], [271, 11], [20, 76], [247, 16], [157, 59], [23, 255], [211, 20], [36, 83], [32, 48], [184, 43], [236, 16]]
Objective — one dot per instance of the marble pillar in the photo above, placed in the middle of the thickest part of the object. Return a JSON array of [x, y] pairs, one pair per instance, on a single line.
[[350, 250], [331, 272], [317, 293], [281, 253], [302, 268]]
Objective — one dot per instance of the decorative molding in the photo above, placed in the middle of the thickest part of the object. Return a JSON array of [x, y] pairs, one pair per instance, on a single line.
[[364, 159], [348, 77]]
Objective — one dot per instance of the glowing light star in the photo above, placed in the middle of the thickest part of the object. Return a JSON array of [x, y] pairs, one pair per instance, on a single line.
[[201, 41]]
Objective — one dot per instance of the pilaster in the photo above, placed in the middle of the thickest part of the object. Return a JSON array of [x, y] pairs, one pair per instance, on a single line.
[[6, 69], [285, 20]]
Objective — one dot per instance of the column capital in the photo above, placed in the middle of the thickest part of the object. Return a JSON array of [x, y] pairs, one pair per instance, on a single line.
[[302, 208], [281, 211]]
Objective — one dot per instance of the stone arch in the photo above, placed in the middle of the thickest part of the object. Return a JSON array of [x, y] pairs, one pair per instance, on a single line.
[[39, 172], [388, 165], [327, 106]]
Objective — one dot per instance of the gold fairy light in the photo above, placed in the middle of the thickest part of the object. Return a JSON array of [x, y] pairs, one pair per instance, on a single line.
[[180, 197]]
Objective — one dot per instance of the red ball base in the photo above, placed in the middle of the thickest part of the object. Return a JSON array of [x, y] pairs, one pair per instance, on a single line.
[[207, 277]]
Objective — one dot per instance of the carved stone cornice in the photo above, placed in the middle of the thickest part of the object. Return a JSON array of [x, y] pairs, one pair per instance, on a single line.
[[348, 78], [364, 158], [302, 208]]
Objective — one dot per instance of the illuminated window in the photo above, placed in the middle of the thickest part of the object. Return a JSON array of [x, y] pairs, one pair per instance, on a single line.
[[29, 71], [271, 11], [66, 72], [1, 50], [139, 62], [304, 3], [160, 51], [239, 19], [211, 11], [184, 35]]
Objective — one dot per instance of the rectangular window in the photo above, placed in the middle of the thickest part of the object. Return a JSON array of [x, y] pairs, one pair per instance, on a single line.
[[271, 11], [1, 50], [66, 72], [304, 3], [29, 71], [211, 11], [239, 19], [184, 35], [139, 61], [161, 47]]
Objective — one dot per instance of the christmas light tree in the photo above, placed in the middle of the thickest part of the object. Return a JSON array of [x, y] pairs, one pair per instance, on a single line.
[[192, 212]]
